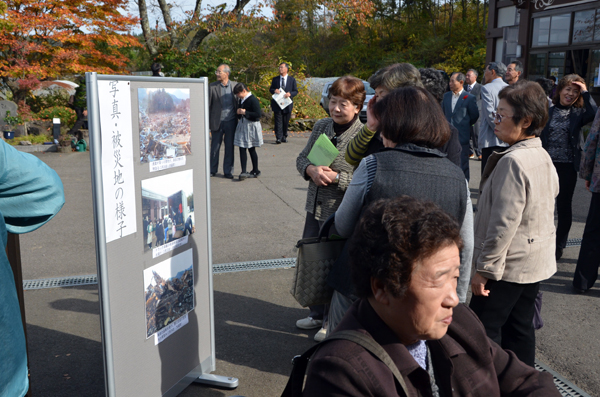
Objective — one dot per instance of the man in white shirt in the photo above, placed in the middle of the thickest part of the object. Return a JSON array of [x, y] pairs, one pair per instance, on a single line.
[[282, 116], [460, 109], [488, 142], [474, 88]]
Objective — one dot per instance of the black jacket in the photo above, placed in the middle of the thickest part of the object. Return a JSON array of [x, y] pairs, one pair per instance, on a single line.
[[252, 107], [290, 86], [579, 117]]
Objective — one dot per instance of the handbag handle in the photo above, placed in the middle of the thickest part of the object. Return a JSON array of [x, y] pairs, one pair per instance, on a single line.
[[324, 231]]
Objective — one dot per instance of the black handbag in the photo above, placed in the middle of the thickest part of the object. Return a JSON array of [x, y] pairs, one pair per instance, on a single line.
[[300, 363], [316, 256]]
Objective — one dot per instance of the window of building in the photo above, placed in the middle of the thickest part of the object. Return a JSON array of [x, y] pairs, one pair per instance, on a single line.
[[597, 33], [583, 26], [507, 16], [556, 64], [537, 66], [593, 80], [559, 29], [541, 31]]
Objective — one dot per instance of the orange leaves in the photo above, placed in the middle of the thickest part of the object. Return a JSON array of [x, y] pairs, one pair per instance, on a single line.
[[49, 38]]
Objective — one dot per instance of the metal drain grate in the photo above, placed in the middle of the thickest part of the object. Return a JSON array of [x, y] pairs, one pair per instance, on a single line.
[[565, 388], [90, 279], [574, 242], [254, 265], [60, 282]]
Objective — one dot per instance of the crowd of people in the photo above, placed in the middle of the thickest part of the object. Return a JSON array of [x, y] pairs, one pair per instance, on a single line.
[[398, 190]]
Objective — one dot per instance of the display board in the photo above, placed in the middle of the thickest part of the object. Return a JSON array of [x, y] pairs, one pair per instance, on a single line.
[[149, 158]]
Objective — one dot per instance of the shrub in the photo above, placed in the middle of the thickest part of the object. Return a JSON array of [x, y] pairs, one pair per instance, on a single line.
[[55, 97], [66, 115]]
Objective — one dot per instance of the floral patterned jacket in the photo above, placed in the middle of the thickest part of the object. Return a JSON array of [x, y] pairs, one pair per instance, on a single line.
[[590, 161]]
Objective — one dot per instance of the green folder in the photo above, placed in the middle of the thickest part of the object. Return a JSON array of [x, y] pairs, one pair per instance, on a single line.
[[323, 152]]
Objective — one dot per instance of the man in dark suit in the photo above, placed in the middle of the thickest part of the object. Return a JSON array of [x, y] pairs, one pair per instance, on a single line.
[[474, 88], [222, 111], [461, 111], [282, 116]]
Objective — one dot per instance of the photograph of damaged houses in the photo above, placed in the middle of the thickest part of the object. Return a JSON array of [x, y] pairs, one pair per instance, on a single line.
[[168, 292], [164, 115]]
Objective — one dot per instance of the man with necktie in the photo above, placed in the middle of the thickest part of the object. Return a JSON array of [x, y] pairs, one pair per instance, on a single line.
[[282, 116]]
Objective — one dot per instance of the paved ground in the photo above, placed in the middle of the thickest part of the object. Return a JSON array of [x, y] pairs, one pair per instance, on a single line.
[[254, 312]]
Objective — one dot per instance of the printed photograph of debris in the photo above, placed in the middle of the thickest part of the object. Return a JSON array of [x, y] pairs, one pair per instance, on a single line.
[[167, 208], [164, 123], [168, 292]]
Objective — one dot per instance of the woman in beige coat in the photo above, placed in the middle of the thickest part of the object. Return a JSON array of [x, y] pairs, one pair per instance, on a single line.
[[514, 225]]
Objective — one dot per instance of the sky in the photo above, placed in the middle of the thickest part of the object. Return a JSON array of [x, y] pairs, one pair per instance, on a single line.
[[179, 8]]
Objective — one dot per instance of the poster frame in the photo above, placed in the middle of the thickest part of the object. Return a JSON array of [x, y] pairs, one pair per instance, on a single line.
[[93, 106]]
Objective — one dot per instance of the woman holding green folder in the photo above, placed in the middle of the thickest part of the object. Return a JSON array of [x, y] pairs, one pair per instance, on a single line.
[[323, 165]]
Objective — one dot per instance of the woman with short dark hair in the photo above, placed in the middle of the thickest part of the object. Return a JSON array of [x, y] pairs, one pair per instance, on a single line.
[[412, 127], [514, 224], [573, 108], [248, 133], [405, 262], [327, 184]]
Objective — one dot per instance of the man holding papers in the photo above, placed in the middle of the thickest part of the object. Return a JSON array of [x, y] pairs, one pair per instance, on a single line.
[[282, 106], [322, 163]]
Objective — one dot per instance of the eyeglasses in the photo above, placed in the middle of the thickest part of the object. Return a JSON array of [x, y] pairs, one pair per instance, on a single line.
[[498, 117], [218, 72]]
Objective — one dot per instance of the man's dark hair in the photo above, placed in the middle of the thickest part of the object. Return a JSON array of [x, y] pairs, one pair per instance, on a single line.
[[412, 115], [546, 85], [287, 66], [239, 88], [518, 66], [433, 81], [392, 236], [156, 67], [528, 100]]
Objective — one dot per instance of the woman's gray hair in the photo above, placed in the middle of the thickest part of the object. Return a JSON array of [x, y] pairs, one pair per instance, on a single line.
[[401, 75]]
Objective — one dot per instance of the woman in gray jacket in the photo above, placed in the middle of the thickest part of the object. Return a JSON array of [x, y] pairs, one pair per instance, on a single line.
[[327, 184], [514, 226]]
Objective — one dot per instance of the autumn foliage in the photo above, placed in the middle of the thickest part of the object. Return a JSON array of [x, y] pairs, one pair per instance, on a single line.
[[43, 39]]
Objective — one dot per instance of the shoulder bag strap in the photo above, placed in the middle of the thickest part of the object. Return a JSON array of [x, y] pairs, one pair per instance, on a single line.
[[296, 380]]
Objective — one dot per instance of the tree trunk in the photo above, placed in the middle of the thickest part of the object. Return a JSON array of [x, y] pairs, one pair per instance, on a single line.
[[166, 12], [146, 30]]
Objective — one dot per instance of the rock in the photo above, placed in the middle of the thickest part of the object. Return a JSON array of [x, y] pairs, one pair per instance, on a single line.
[[266, 119], [39, 127], [5, 106], [25, 143], [302, 124]]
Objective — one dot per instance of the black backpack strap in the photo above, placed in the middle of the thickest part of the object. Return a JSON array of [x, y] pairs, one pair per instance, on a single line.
[[296, 381]]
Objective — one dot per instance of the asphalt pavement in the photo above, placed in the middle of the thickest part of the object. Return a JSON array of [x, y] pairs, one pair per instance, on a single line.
[[255, 315]]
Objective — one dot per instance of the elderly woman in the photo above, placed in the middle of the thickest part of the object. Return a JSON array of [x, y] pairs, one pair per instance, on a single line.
[[412, 126], [573, 108], [514, 226], [327, 184], [586, 272], [405, 263]]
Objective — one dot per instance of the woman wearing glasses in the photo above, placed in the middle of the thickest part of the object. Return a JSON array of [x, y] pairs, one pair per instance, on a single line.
[[327, 184], [514, 224], [562, 138]]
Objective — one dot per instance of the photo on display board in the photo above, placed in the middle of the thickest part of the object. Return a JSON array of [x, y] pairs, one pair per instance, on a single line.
[[167, 208], [168, 291], [164, 115]]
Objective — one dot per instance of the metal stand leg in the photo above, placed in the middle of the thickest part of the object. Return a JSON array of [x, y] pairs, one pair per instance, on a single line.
[[217, 380]]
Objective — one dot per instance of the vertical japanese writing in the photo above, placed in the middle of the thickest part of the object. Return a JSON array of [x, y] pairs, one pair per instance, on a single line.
[[114, 105], [118, 175]]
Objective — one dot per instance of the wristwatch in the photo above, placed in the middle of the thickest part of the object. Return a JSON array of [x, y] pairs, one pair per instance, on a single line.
[[337, 178]]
